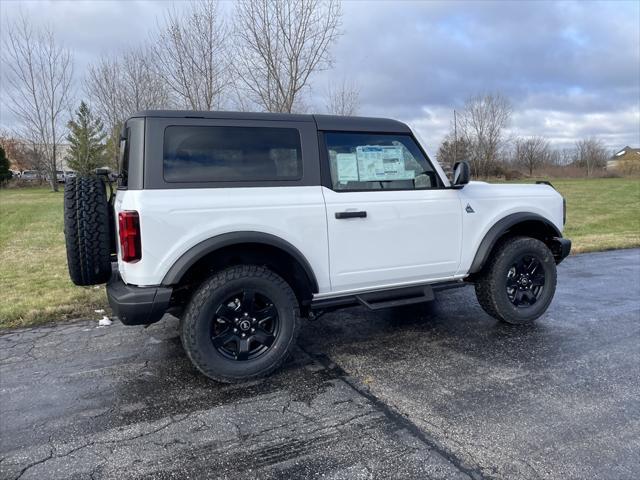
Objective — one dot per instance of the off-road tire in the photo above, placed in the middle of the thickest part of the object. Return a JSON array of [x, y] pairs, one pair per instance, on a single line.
[[87, 230], [491, 289], [195, 323]]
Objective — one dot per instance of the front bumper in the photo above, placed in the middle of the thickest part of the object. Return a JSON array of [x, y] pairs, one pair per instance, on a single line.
[[137, 305], [560, 247]]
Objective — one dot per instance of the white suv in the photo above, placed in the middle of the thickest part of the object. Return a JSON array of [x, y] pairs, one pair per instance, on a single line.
[[242, 223]]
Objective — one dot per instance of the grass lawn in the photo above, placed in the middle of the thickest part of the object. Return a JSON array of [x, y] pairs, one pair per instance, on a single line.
[[34, 280], [602, 214]]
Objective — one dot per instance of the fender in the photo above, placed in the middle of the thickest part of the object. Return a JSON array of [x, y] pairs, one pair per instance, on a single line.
[[500, 228], [195, 253]]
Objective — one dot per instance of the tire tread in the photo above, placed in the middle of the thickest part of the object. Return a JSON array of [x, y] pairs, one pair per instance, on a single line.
[[87, 231], [486, 287], [189, 324]]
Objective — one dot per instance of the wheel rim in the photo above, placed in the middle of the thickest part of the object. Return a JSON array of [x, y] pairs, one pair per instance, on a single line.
[[525, 281], [245, 325]]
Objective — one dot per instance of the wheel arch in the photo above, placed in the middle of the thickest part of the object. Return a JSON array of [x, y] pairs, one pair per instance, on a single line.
[[521, 223], [246, 247]]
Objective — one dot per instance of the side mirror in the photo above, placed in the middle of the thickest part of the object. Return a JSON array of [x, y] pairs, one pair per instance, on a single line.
[[461, 174]]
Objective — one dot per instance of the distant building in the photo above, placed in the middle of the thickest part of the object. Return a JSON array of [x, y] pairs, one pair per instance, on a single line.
[[28, 149], [627, 154]]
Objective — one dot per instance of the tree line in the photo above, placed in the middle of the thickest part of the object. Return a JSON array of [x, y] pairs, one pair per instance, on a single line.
[[261, 55], [479, 137], [253, 55]]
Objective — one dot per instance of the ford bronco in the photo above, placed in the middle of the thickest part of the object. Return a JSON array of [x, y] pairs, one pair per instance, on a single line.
[[241, 224]]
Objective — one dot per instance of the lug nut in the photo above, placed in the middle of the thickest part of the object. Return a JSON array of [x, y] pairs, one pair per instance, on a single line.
[[246, 314], [253, 330], [235, 330], [244, 335]]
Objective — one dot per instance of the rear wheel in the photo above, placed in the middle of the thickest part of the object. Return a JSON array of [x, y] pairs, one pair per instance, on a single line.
[[240, 324], [519, 282], [87, 230]]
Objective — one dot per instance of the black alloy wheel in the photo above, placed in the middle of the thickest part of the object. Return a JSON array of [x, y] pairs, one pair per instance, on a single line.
[[245, 325], [240, 324], [518, 282], [525, 281]]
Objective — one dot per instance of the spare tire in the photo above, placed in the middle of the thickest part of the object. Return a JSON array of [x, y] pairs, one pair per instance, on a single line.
[[87, 230]]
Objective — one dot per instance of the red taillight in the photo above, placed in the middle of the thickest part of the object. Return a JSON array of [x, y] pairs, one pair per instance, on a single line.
[[130, 244]]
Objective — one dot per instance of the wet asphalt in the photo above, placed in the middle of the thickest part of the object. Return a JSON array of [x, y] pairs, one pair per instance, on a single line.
[[435, 391]]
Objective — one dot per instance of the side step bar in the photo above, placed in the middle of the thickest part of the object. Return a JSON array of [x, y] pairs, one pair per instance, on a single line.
[[396, 298], [386, 298]]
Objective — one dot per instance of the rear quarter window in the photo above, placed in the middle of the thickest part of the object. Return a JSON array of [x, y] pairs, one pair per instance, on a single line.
[[219, 154]]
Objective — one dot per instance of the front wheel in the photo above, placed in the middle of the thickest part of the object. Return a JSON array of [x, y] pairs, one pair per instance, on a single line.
[[240, 324], [519, 282]]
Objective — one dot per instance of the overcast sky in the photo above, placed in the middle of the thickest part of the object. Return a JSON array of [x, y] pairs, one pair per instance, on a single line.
[[570, 69]]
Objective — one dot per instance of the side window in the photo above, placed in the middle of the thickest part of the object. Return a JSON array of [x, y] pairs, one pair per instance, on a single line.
[[374, 161], [220, 154]]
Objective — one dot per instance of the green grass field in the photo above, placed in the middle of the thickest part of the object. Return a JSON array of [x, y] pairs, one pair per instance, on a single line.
[[34, 280], [602, 214]]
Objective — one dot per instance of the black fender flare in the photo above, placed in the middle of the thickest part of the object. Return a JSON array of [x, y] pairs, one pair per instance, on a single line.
[[195, 253], [500, 228]]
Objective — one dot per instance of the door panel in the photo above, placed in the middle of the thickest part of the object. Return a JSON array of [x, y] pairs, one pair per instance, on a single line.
[[405, 236]]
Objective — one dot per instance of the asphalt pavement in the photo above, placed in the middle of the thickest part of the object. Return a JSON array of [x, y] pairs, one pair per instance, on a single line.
[[435, 391]]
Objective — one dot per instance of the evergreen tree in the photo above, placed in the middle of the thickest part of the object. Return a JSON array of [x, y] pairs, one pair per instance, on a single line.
[[112, 150], [86, 140], [5, 173]]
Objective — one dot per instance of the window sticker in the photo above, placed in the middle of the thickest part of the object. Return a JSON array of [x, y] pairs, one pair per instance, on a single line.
[[380, 163], [347, 167]]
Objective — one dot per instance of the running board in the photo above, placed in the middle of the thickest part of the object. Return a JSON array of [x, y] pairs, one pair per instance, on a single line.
[[385, 298], [396, 298]]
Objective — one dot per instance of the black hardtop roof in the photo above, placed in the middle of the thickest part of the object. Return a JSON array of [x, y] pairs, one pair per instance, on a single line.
[[323, 122]]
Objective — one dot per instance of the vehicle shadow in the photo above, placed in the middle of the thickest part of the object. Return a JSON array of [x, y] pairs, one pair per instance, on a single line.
[[454, 324]]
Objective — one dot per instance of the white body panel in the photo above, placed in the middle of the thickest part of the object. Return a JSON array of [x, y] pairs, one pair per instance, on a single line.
[[173, 221], [407, 236], [493, 202]]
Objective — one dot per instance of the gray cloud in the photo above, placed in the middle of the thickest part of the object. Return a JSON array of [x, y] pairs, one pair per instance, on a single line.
[[571, 69]]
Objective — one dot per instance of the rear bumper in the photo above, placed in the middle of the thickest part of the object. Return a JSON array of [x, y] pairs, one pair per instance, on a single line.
[[137, 305], [561, 247]]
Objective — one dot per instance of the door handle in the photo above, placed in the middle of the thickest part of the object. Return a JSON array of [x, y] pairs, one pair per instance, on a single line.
[[341, 215]]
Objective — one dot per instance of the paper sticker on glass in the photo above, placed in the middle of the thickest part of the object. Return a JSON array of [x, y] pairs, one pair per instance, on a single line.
[[379, 163], [347, 167]]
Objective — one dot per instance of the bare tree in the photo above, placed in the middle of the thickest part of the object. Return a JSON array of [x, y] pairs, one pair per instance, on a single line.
[[561, 157], [280, 44], [343, 99], [532, 153], [21, 154], [451, 151], [39, 73], [117, 87], [120, 86], [591, 154], [481, 124], [190, 56]]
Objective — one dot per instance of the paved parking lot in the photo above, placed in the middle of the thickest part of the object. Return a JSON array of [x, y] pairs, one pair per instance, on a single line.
[[433, 391]]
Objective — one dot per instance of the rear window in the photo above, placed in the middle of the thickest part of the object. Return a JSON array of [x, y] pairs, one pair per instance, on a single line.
[[221, 154]]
